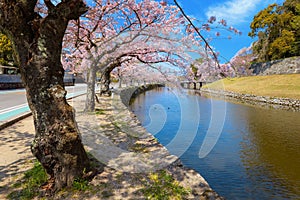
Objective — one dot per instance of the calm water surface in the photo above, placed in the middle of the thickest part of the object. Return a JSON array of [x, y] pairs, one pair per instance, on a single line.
[[256, 155]]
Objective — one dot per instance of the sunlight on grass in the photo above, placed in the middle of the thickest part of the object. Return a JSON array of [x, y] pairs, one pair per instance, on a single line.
[[30, 184], [284, 86], [161, 185]]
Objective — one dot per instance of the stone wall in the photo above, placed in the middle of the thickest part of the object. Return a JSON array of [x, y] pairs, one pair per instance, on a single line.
[[10, 81], [278, 103], [5, 78], [127, 94], [15, 82], [284, 66], [8, 86]]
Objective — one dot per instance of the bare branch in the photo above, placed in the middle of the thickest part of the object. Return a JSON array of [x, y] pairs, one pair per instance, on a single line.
[[140, 22], [201, 36]]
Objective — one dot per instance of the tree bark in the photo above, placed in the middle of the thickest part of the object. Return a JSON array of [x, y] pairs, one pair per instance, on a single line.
[[90, 94], [105, 78], [105, 81], [38, 42]]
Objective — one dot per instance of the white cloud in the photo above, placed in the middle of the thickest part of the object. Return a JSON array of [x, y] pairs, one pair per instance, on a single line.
[[234, 11]]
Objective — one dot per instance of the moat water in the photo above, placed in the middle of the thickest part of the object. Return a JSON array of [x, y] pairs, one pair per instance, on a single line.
[[243, 151]]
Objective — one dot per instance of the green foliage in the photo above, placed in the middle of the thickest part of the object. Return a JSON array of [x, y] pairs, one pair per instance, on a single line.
[[81, 185], [194, 68], [30, 184], [6, 51], [278, 31], [282, 45], [162, 186]]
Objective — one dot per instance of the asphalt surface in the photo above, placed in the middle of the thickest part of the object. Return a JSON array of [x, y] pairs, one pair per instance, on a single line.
[[14, 107]]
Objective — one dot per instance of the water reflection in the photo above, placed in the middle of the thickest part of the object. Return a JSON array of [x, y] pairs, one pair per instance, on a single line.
[[273, 138], [256, 156]]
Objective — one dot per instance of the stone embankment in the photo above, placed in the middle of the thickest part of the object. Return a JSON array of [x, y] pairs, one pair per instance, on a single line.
[[281, 103], [284, 66], [128, 94]]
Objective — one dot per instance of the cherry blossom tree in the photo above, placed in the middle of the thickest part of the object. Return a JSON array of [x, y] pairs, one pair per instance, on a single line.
[[147, 31], [205, 70], [139, 31], [143, 73], [37, 41], [208, 69], [239, 64]]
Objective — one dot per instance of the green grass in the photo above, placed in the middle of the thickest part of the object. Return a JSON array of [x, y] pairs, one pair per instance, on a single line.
[[162, 186], [30, 184], [81, 185], [283, 86]]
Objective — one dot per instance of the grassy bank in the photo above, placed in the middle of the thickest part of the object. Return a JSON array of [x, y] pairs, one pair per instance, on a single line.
[[284, 86]]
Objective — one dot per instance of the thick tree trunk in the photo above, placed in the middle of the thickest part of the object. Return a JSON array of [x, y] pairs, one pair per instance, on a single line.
[[38, 43]]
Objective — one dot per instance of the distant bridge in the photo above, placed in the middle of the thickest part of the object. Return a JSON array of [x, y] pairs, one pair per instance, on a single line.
[[192, 85]]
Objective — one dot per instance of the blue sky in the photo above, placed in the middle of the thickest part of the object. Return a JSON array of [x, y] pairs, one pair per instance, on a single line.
[[237, 13]]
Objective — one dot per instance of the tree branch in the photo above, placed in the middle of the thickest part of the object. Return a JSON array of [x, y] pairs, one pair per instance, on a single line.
[[49, 5], [201, 36], [71, 9]]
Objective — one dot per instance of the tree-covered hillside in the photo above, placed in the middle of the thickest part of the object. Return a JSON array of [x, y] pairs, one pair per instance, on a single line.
[[278, 31]]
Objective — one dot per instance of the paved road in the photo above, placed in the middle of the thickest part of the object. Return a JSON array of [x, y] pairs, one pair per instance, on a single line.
[[13, 103]]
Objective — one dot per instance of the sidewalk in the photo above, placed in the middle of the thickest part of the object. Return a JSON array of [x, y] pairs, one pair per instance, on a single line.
[[15, 154], [114, 137]]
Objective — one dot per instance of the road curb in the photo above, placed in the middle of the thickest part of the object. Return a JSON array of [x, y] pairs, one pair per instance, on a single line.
[[15, 120], [25, 115]]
